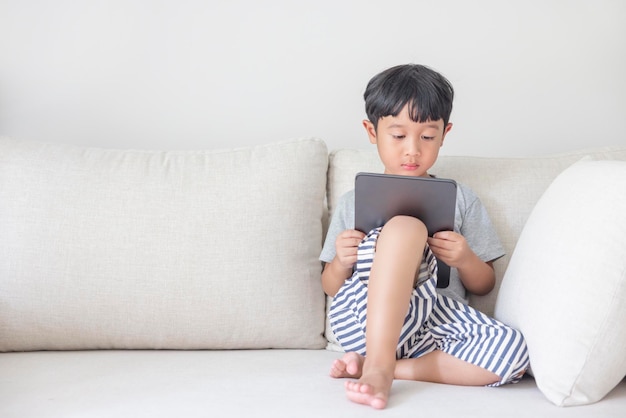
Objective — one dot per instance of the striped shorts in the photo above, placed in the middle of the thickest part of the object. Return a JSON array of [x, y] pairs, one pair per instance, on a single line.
[[433, 321]]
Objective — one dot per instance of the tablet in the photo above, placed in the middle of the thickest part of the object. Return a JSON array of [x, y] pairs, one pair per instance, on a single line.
[[379, 197]]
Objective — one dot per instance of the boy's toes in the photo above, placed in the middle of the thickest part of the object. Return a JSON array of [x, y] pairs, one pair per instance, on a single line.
[[365, 394], [338, 369]]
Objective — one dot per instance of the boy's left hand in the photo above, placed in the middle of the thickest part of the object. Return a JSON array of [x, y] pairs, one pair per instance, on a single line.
[[450, 247]]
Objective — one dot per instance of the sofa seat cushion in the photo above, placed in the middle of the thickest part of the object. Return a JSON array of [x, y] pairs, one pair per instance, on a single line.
[[111, 249], [565, 287], [242, 383]]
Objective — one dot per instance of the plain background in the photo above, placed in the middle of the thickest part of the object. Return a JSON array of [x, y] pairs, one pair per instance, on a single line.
[[532, 77]]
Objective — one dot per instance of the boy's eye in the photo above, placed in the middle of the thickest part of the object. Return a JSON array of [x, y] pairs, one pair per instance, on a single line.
[[428, 138], [398, 136]]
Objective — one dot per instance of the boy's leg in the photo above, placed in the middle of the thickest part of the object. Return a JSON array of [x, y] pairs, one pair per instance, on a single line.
[[440, 367], [390, 287], [436, 366], [473, 349]]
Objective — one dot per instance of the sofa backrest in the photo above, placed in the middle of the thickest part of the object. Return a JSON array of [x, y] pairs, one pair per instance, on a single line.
[[127, 249], [508, 187]]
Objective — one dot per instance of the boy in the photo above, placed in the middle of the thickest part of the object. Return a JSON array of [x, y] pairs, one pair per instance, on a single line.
[[387, 278]]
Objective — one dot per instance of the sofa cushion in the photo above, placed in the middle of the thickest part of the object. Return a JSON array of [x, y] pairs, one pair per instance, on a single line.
[[103, 249], [508, 187], [273, 383], [565, 287]]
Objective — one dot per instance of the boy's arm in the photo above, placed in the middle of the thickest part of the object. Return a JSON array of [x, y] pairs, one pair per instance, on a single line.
[[477, 276], [340, 268], [333, 277]]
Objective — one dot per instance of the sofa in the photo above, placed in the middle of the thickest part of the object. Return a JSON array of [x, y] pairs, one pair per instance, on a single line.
[[137, 283]]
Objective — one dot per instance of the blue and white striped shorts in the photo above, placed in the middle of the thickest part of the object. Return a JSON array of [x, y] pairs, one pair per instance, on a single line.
[[433, 321]]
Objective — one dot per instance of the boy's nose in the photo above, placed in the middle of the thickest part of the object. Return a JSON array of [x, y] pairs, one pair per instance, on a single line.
[[413, 147]]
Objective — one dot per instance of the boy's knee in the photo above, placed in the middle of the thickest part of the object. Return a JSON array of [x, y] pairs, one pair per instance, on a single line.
[[406, 225]]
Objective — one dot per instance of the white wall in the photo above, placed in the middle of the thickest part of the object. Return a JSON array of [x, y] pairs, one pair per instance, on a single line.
[[532, 76]]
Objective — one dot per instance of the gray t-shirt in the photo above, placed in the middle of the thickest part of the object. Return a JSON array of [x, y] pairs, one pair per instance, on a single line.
[[470, 220]]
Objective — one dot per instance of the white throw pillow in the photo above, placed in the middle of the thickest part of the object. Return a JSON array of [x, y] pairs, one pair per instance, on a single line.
[[565, 286], [128, 249]]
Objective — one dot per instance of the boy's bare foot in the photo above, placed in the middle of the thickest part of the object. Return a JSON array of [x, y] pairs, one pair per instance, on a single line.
[[350, 365], [372, 388]]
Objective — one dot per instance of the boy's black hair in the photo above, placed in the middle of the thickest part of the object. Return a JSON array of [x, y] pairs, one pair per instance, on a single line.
[[427, 93]]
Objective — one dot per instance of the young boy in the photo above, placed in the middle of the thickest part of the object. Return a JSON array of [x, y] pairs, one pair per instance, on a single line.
[[387, 278]]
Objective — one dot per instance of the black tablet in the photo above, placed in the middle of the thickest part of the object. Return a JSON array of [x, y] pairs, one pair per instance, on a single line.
[[379, 197]]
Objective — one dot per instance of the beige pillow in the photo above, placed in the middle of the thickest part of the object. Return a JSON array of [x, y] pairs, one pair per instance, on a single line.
[[565, 286], [148, 250]]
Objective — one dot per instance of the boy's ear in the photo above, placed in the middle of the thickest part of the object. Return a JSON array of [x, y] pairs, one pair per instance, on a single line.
[[371, 130], [446, 129]]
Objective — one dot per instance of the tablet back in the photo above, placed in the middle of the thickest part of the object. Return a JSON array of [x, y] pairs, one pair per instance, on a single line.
[[379, 197]]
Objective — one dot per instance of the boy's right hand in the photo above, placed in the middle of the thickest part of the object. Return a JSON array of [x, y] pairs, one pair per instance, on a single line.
[[346, 247], [337, 271]]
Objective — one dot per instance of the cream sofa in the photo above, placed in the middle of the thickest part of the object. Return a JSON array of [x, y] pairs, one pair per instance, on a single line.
[[187, 284]]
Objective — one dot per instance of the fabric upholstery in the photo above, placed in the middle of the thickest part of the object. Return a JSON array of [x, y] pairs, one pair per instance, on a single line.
[[103, 249], [508, 187]]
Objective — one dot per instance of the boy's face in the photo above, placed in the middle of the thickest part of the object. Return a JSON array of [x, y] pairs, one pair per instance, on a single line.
[[405, 147]]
